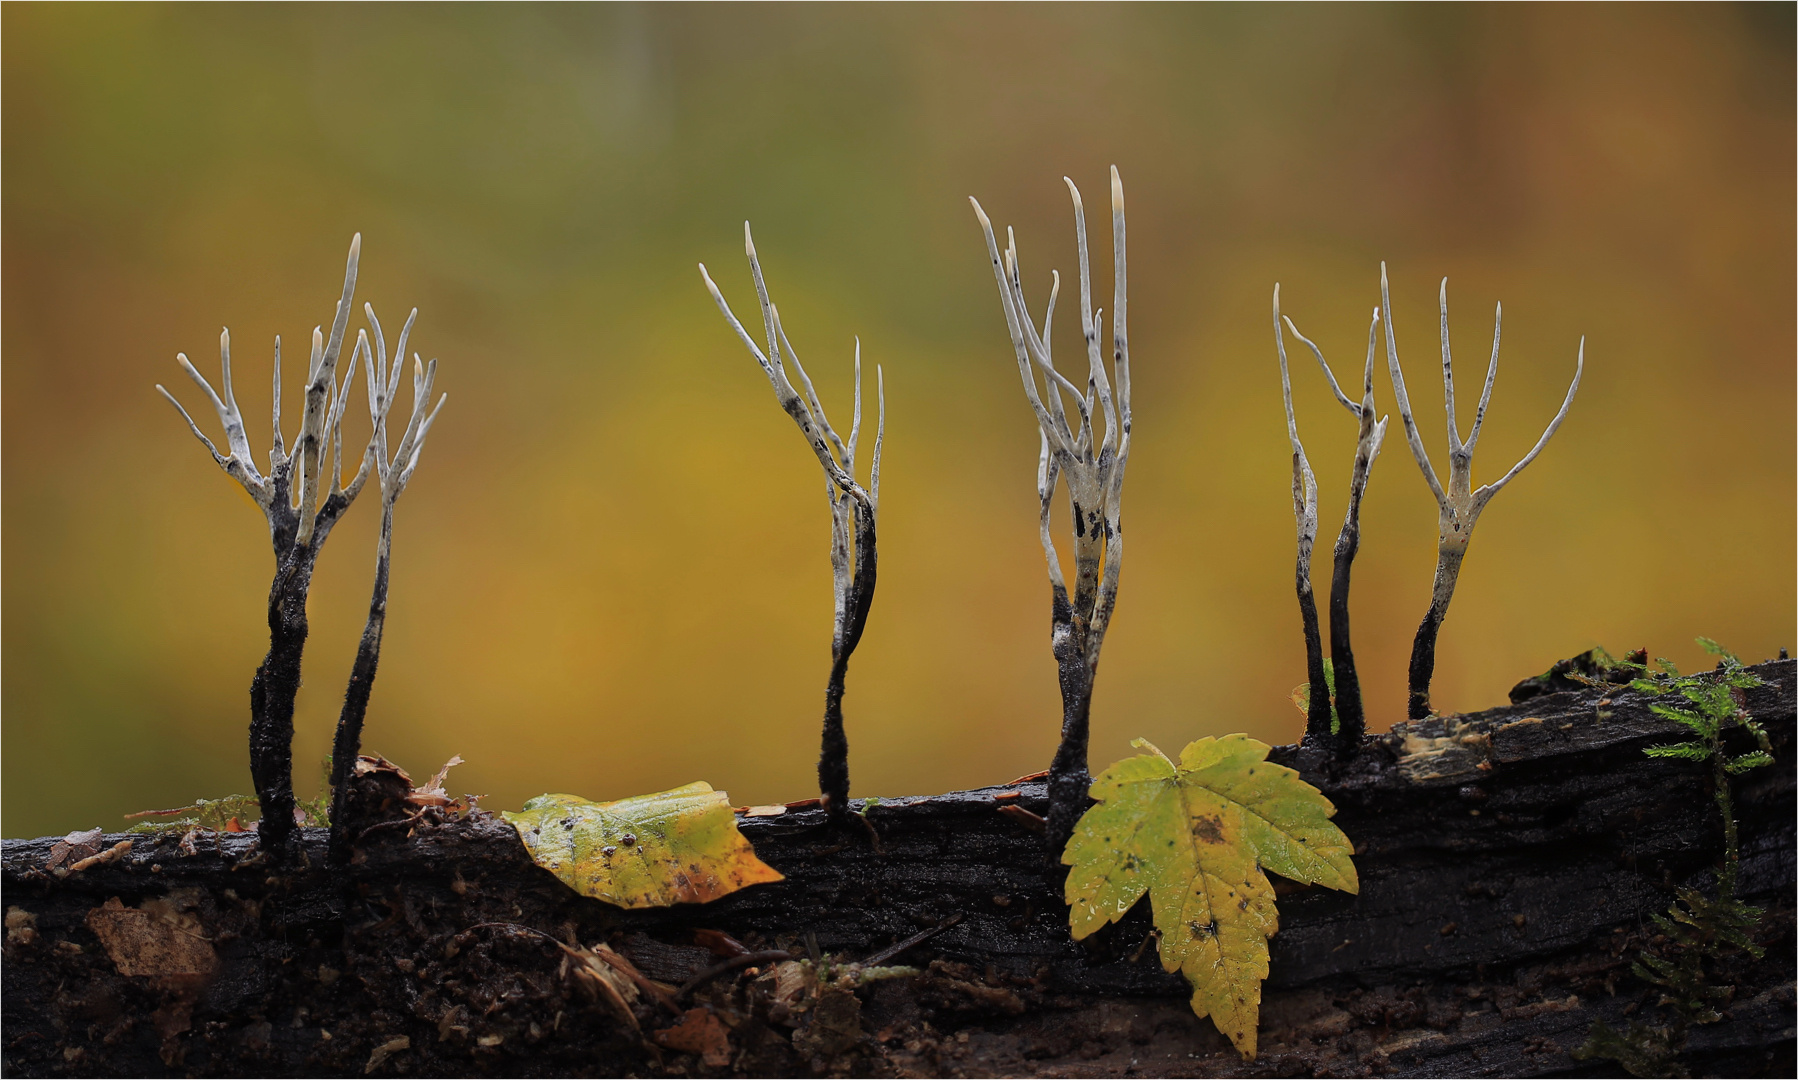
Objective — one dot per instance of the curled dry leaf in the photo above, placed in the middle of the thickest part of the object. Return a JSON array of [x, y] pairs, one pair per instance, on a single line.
[[673, 847], [1196, 836], [432, 793]]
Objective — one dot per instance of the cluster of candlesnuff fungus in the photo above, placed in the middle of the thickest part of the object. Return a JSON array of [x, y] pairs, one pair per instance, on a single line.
[[300, 521], [1073, 450], [853, 511], [1460, 506]]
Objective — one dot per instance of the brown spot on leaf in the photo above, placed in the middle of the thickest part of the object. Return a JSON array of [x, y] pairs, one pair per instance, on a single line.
[[1208, 830]]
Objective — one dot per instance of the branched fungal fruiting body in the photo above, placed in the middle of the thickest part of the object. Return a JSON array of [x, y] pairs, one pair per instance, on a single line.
[[1349, 712], [1092, 467], [1460, 505], [393, 473], [853, 512], [298, 528]]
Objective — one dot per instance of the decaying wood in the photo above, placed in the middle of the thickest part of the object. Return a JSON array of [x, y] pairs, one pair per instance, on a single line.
[[1509, 862]]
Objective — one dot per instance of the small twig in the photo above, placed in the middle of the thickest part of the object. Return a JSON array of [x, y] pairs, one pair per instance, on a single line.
[[392, 823], [768, 956], [1142, 947], [918, 938], [873, 833], [1035, 822], [611, 959]]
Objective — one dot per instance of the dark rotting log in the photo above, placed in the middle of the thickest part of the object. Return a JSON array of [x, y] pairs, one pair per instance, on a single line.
[[1509, 860]]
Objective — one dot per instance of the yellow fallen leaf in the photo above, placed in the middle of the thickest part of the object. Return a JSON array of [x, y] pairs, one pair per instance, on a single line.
[[673, 847], [1196, 837]]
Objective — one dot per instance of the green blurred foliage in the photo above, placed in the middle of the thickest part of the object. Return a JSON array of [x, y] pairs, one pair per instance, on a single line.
[[611, 574]]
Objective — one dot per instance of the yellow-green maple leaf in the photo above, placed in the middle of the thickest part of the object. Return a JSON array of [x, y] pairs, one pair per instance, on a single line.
[[1196, 836], [673, 847]]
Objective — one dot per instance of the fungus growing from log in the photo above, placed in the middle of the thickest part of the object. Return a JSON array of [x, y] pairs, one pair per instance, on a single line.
[[393, 473], [1093, 468], [1345, 731], [853, 510], [299, 523], [1460, 505]]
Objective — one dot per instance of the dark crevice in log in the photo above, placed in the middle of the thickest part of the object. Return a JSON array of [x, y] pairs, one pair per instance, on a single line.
[[1509, 860]]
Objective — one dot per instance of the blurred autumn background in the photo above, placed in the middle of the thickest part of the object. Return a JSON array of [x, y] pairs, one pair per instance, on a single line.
[[610, 573]]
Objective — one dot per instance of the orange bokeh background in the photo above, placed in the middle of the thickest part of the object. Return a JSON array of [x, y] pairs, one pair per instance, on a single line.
[[610, 572]]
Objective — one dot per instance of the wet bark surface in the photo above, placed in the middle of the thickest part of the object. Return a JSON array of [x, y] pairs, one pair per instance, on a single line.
[[1509, 860]]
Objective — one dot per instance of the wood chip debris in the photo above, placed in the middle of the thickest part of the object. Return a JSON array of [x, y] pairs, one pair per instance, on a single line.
[[385, 1051]]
